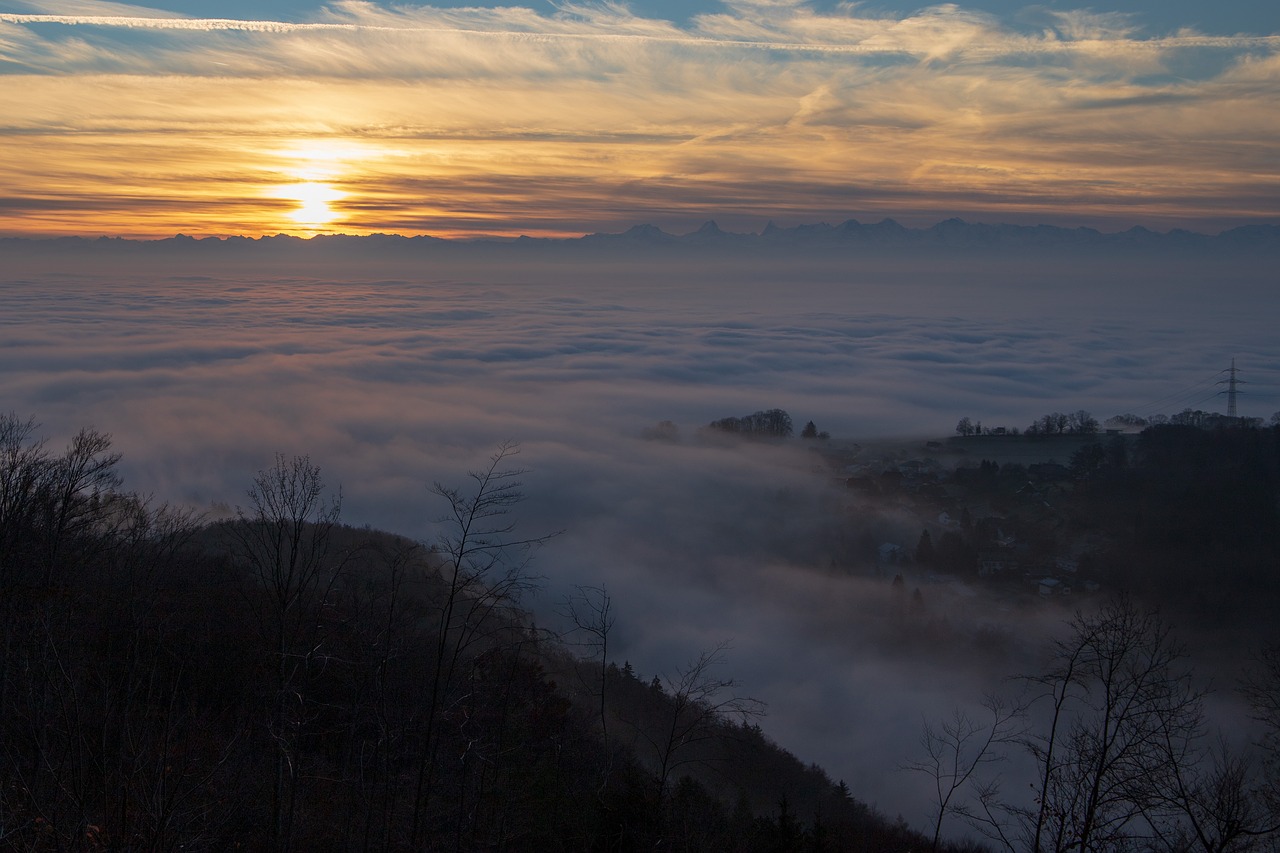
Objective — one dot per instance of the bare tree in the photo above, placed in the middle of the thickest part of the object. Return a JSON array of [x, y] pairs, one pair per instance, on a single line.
[[47, 502], [79, 482], [957, 749], [1210, 801], [482, 571], [95, 730], [590, 609], [379, 627], [1261, 688], [283, 538], [24, 471], [698, 704], [1118, 746], [1122, 710]]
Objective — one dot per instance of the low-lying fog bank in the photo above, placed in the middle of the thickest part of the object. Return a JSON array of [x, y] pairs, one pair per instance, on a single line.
[[391, 379]]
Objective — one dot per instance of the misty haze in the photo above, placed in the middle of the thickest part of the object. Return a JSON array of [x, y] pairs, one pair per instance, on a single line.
[[391, 374]]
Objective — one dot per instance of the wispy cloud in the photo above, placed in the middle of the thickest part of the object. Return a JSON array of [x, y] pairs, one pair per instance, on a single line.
[[946, 110], [166, 23], [936, 32]]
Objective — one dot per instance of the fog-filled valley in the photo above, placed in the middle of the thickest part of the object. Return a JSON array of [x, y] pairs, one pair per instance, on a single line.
[[601, 371]]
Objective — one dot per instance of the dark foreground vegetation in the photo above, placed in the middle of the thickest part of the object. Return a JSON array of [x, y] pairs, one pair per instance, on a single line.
[[1118, 748], [278, 681], [1185, 517], [1122, 744]]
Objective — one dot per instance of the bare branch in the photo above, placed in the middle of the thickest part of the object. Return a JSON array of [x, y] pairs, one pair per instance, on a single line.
[[956, 748]]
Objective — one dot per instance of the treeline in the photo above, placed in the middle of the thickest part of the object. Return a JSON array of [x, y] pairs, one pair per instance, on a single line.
[[1189, 417], [279, 681], [767, 423], [1078, 422], [1081, 422]]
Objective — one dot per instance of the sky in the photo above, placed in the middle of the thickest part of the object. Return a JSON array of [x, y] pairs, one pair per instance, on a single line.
[[562, 119]]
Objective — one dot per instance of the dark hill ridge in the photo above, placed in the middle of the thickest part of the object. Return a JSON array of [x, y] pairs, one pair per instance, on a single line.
[[280, 681], [850, 235]]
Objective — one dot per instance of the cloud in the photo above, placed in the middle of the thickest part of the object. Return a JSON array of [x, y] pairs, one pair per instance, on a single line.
[[391, 375], [605, 116], [930, 34]]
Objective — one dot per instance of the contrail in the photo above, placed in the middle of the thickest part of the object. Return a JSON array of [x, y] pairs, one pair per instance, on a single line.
[[1027, 45], [203, 24]]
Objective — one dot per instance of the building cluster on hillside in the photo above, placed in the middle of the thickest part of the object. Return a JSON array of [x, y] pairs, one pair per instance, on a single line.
[[984, 522]]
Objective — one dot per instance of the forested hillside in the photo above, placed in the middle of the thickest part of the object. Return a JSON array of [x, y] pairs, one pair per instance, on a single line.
[[1185, 517], [279, 681]]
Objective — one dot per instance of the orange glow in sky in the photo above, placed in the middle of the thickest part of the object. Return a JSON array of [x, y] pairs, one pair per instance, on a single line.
[[417, 120]]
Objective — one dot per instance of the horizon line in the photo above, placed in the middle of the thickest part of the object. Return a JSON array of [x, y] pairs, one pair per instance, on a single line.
[[708, 227]]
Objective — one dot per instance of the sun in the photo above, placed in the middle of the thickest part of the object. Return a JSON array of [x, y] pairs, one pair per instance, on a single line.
[[322, 180], [314, 167], [314, 199]]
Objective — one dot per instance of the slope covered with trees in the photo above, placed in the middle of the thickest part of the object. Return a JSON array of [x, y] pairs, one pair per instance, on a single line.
[[279, 681]]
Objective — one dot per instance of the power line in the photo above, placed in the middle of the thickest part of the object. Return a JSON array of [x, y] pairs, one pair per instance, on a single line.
[[1194, 392], [1202, 392]]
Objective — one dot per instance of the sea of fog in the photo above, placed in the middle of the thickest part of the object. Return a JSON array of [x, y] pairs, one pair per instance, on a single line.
[[391, 376]]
